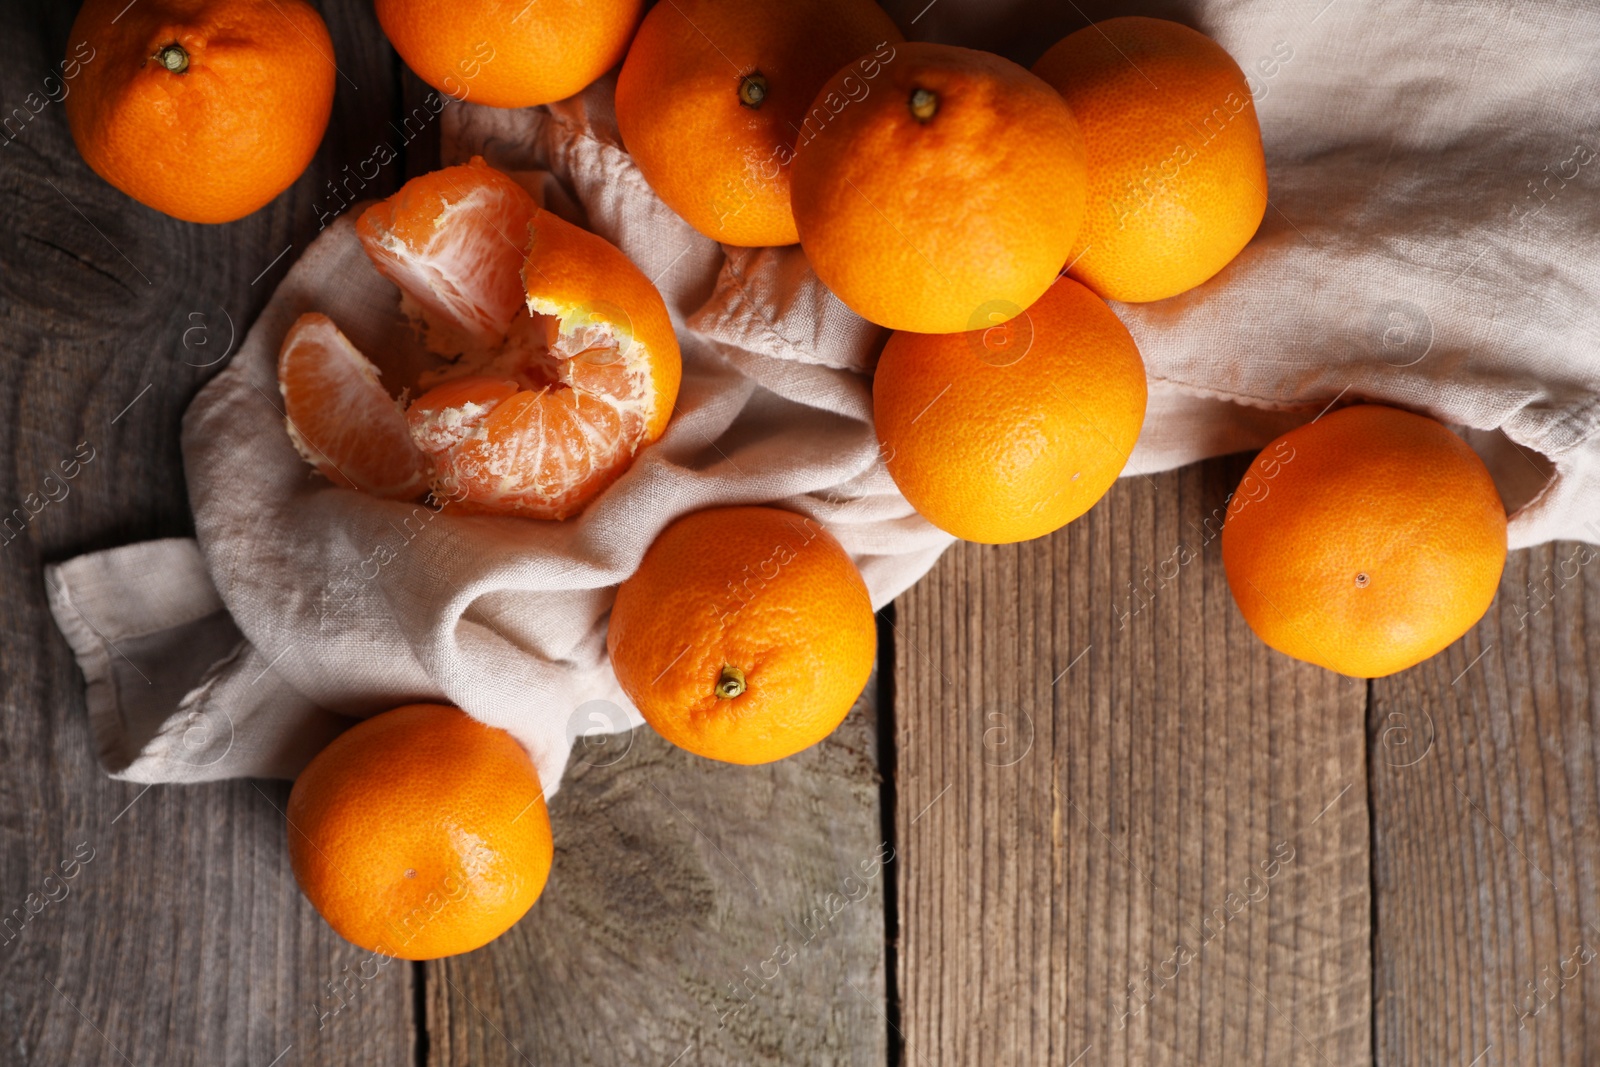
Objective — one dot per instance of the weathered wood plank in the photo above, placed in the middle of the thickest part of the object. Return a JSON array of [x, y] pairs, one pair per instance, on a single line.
[[180, 937], [1487, 831], [1129, 832], [697, 913]]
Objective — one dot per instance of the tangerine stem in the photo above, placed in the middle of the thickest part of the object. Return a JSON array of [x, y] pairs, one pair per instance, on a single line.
[[173, 58], [731, 683], [753, 89], [924, 104]]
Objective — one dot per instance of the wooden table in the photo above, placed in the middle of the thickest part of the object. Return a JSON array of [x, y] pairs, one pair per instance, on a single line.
[[1121, 830]]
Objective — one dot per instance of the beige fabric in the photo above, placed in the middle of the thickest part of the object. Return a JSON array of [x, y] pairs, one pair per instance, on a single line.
[[1435, 201]]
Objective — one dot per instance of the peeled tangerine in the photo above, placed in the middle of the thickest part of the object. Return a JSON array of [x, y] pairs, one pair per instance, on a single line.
[[565, 361]]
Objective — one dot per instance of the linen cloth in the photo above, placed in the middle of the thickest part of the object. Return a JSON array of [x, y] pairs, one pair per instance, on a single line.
[[1431, 242]]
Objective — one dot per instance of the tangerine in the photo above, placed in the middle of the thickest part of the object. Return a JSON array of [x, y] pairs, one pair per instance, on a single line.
[[713, 92], [420, 833], [1365, 541], [746, 634], [1177, 174], [1008, 433], [509, 53], [949, 188], [566, 363], [203, 109]]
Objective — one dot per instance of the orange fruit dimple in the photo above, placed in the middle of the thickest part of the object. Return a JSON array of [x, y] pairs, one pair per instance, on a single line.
[[202, 109], [1007, 433], [1177, 176], [509, 53], [1365, 541], [340, 418], [713, 95], [420, 833], [949, 187], [745, 636]]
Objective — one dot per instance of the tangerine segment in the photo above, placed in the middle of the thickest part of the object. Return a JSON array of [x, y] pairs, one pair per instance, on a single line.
[[746, 634], [540, 453], [420, 833], [1365, 541], [341, 419], [454, 241], [540, 426]]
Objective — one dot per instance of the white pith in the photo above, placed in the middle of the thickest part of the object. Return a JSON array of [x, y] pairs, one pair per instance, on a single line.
[[466, 326]]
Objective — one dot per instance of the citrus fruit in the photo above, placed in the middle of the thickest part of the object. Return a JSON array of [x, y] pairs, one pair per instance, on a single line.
[[714, 93], [1177, 179], [1365, 541], [509, 53], [420, 833], [1007, 433], [746, 634], [566, 363], [547, 408], [340, 417], [946, 190], [202, 109]]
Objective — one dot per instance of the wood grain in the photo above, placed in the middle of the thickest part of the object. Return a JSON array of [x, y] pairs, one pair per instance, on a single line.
[[1095, 766], [182, 939], [1086, 774], [697, 913], [1487, 831]]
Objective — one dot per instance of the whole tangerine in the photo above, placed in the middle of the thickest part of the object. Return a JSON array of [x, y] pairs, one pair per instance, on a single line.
[[203, 109], [1177, 174], [1008, 433], [948, 189], [420, 833], [1365, 541], [713, 96], [746, 634], [509, 53]]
